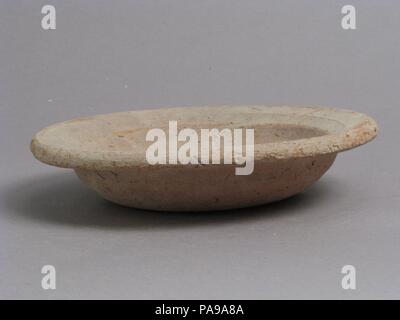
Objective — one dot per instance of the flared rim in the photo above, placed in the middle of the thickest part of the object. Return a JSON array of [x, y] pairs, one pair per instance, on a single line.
[[345, 129]]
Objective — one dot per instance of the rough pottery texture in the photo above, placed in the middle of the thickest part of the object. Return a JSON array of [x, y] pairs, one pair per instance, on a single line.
[[214, 187], [293, 147]]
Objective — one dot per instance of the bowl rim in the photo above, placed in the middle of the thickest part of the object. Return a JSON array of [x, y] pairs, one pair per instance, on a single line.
[[357, 129]]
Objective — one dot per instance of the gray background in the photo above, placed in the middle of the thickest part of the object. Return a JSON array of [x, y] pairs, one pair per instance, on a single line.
[[110, 56]]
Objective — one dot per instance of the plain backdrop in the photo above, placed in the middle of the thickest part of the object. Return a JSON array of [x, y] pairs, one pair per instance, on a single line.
[[107, 56]]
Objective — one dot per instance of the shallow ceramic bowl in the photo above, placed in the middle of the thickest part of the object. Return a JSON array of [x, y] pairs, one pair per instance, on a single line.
[[293, 147]]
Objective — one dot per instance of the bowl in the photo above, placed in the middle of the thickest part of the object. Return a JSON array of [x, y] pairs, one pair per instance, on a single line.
[[116, 154]]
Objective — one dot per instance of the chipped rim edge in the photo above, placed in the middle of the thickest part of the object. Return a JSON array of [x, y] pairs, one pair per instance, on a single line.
[[362, 131]]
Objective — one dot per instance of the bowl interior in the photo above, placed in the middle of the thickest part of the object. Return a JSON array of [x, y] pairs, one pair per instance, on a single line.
[[128, 134], [263, 133]]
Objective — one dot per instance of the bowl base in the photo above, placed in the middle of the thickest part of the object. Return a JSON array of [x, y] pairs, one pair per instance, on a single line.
[[206, 187]]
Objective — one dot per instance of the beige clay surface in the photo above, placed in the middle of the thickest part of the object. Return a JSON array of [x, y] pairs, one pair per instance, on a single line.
[[293, 147]]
